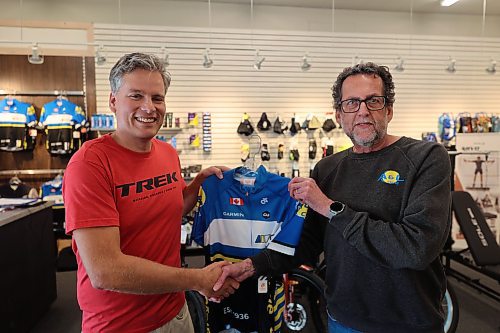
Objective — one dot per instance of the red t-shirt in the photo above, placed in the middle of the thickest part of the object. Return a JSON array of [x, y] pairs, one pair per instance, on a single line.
[[106, 184]]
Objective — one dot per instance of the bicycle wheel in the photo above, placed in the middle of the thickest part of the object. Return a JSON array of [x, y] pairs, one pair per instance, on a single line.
[[306, 312], [450, 306], [196, 306]]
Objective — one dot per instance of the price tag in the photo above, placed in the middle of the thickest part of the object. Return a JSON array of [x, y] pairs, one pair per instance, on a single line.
[[262, 285]]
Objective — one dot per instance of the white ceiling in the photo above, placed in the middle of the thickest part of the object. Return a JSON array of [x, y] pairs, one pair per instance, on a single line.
[[467, 7]]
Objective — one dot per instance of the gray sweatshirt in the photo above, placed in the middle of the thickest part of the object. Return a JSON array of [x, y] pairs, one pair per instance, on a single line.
[[382, 252]]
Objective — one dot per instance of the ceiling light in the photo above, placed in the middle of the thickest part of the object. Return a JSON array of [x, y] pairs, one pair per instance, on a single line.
[[446, 3], [399, 64], [305, 63], [451, 66], [207, 62], [35, 57], [258, 60], [492, 67], [165, 57], [100, 58]]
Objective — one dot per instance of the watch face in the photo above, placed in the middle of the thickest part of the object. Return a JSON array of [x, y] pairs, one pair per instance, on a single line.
[[336, 207]]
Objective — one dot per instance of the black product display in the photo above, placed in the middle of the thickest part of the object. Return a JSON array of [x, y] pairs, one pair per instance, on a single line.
[[264, 124], [313, 147], [281, 150], [264, 152], [279, 126], [329, 125], [294, 155], [327, 150], [245, 126], [294, 127]]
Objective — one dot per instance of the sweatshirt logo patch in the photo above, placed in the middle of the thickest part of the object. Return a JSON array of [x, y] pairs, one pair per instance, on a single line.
[[390, 177]]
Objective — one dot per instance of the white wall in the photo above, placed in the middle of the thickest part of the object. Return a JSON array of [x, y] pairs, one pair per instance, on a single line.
[[232, 87]]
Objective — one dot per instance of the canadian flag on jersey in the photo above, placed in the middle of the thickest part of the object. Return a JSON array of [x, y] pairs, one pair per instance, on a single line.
[[236, 201]]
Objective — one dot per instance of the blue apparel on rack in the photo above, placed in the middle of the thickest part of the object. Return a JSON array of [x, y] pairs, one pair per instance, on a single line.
[[52, 191], [15, 119], [60, 117]]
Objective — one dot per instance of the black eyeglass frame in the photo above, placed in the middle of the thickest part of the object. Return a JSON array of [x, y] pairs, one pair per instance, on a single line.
[[362, 101]]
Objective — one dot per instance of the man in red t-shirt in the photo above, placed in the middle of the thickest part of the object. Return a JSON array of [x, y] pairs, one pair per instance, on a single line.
[[124, 197]]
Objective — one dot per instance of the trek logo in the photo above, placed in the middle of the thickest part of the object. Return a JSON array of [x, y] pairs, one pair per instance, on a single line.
[[147, 184], [236, 201], [390, 177], [478, 230]]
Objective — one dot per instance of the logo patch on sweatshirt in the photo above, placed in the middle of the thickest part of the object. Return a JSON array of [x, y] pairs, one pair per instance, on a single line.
[[390, 177]]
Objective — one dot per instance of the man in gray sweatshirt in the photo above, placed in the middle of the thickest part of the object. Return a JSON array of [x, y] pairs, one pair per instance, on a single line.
[[379, 211]]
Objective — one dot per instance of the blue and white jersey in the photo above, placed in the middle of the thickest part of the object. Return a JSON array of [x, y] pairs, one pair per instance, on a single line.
[[14, 113], [17, 119], [61, 113], [52, 191], [244, 212]]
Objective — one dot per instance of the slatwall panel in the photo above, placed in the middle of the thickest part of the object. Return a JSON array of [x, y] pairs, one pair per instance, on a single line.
[[232, 86]]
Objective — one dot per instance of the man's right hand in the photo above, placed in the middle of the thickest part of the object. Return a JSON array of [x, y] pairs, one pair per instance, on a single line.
[[239, 272], [210, 275]]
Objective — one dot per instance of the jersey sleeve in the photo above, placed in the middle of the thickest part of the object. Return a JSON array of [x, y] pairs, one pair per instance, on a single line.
[[79, 117], [43, 115], [288, 236], [88, 197], [30, 116]]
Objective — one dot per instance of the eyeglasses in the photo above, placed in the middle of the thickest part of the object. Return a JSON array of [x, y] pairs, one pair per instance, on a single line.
[[373, 103]]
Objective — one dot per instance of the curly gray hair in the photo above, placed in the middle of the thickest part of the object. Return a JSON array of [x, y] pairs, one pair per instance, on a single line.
[[367, 68]]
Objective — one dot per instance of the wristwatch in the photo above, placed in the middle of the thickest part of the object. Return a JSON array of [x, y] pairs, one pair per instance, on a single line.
[[336, 208]]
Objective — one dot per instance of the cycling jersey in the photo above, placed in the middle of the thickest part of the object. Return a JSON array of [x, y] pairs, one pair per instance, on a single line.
[[237, 217], [60, 117], [52, 191], [15, 120]]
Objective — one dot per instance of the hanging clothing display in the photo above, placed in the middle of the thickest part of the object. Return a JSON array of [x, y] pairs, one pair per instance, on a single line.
[[61, 118], [17, 125], [237, 217]]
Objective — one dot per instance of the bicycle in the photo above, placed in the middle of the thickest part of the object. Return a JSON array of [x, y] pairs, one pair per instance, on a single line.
[[305, 304]]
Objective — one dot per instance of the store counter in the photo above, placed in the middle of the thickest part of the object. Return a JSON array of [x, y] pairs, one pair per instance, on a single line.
[[27, 266]]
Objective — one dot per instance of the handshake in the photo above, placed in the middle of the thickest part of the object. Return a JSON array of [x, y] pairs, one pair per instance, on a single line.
[[221, 279]]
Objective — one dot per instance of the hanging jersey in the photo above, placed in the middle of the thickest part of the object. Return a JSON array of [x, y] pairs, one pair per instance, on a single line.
[[237, 217], [60, 117], [15, 120], [52, 191]]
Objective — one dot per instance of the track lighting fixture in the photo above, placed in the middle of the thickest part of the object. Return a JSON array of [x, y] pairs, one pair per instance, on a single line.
[[100, 58], [207, 62], [258, 60], [165, 56], [399, 64], [305, 64], [492, 67], [451, 66], [35, 57], [447, 3]]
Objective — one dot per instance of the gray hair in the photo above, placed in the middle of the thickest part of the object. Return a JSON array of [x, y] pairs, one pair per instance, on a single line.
[[368, 68], [132, 61]]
